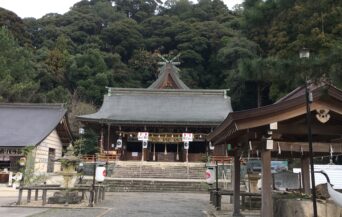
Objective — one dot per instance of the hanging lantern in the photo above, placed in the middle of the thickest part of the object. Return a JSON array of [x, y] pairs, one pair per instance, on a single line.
[[119, 143], [211, 147], [22, 161]]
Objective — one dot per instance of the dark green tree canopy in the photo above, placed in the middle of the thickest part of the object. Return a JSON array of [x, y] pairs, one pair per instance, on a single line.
[[252, 50]]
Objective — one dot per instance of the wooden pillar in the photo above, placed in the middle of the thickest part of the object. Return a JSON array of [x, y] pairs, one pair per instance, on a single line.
[[305, 163], [108, 138], [266, 191], [101, 140], [142, 152], [236, 190]]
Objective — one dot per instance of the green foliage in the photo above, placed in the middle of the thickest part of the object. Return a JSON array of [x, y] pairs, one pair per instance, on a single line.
[[88, 144], [17, 70], [30, 177], [101, 43]]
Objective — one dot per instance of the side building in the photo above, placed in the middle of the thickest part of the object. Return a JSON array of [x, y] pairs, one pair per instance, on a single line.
[[165, 110], [44, 127]]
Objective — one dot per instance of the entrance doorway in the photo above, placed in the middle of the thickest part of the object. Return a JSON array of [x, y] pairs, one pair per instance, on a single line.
[[51, 158], [165, 152]]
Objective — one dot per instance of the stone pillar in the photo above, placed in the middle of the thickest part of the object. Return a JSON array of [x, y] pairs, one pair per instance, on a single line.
[[305, 164], [236, 183], [266, 191]]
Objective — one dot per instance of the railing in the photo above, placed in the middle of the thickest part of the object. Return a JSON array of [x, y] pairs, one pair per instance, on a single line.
[[99, 191], [221, 159], [101, 157], [216, 197]]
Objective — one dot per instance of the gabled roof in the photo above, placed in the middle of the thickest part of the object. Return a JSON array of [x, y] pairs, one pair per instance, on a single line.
[[288, 107], [168, 78], [300, 91], [29, 124], [162, 106]]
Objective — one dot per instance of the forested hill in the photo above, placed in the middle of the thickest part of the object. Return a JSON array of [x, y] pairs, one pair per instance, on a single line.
[[253, 50]]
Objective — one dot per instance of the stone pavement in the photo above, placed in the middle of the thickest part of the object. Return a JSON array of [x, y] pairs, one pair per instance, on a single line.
[[9, 195], [120, 204]]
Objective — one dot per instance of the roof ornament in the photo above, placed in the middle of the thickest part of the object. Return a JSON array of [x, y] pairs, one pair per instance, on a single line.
[[322, 115], [172, 60]]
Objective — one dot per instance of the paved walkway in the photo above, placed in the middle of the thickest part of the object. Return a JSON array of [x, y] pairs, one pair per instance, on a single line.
[[9, 195], [121, 205]]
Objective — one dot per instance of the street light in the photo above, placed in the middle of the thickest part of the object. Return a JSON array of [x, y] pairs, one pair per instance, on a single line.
[[81, 132], [305, 53]]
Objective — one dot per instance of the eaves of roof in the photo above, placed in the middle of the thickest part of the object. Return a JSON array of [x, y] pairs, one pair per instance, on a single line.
[[233, 120]]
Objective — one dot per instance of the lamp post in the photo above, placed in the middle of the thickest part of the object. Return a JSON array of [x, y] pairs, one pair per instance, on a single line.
[[305, 53], [81, 132]]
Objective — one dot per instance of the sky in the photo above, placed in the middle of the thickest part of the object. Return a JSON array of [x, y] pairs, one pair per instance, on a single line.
[[38, 8]]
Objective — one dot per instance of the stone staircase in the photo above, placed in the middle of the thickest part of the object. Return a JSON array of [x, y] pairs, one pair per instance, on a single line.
[[157, 170], [129, 176], [155, 185]]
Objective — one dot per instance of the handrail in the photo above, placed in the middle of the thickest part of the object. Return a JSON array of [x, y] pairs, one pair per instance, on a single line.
[[104, 157], [221, 159]]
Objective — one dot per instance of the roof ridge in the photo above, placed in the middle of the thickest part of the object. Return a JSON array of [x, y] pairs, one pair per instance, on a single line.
[[33, 105], [166, 91], [168, 69]]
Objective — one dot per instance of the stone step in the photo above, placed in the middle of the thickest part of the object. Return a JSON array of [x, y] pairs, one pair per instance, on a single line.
[[155, 186], [157, 177], [152, 170]]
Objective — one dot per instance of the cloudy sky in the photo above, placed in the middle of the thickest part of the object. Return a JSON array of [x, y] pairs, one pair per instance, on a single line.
[[38, 8]]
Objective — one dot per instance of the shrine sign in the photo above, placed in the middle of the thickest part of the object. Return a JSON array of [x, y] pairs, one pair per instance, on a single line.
[[187, 137], [143, 136]]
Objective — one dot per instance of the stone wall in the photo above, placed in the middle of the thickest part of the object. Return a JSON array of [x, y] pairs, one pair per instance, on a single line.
[[41, 153], [303, 208]]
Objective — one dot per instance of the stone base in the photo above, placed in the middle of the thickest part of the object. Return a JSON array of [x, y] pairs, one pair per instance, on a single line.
[[303, 208], [62, 197]]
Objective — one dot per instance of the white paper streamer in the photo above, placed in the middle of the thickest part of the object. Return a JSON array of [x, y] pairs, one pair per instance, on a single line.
[[301, 150]]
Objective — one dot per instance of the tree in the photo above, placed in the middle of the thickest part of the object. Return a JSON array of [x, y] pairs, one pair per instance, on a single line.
[[17, 71], [15, 25]]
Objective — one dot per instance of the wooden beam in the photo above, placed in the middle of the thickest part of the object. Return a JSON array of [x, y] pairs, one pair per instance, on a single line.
[[266, 191], [252, 122], [305, 163], [322, 129], [304, 147]]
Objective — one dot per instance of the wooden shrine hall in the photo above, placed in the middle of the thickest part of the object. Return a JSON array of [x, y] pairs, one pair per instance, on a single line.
[[165, 110], [280, 131]]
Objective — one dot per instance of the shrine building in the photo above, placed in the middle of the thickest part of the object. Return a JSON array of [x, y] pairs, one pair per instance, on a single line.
[[167, 121]]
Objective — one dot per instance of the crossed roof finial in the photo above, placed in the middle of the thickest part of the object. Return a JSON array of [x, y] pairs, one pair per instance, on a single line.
[[172, 60]]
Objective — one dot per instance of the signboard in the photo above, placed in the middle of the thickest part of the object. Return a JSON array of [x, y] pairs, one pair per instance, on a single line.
[[276, 166], [135, 154], [187, 137], [143, 136]]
